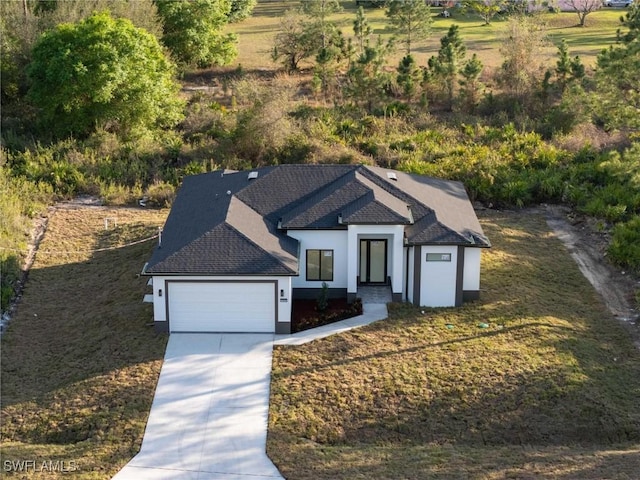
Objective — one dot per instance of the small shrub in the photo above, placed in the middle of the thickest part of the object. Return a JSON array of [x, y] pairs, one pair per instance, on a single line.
[[323, 297], [160, 194]]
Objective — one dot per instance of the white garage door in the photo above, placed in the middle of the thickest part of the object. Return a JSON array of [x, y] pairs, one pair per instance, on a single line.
[[221, 307]]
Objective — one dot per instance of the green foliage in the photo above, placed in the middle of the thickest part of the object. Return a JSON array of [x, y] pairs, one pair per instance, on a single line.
[[446, 66], [625, 244], [323, 297], [409, 76], [193, 31], [361, 29], [241, 9], [410, 20], [102, 72], [366, 76], [21, 200], [470, 84], [617, 100]]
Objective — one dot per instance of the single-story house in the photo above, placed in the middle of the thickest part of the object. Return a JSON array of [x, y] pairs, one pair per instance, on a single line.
[[238, 247]]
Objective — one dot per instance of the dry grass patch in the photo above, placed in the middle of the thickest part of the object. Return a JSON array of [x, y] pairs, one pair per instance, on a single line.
[[548, 390], [79, 360]]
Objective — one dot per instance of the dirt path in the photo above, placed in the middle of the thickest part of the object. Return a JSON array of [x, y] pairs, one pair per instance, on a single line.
[[588, 249]]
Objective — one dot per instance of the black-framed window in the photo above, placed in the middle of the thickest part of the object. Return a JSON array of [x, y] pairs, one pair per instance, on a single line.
[[320, 265]]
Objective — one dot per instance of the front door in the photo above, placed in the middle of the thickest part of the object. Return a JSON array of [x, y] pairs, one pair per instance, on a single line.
[[373, 261]]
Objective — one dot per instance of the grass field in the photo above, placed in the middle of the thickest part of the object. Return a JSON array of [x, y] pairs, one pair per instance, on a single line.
[[256, 33], [79, 360], [549, 390]]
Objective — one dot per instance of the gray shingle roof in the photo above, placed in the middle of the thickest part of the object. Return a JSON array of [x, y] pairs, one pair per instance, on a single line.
[[223, 223]]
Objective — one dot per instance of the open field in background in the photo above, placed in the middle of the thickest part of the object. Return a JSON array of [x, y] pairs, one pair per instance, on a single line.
[[257, 32], [80, 360], [548, 389]]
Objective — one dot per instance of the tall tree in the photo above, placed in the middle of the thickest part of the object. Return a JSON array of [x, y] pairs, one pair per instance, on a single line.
[[361, 29], [447, 64], [410, 20], [584, 8], [367, 78], [193, 31], [617, 99], [470, 83], [102, 72]]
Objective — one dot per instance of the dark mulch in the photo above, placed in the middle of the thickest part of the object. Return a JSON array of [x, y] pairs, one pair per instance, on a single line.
[[305, 313]]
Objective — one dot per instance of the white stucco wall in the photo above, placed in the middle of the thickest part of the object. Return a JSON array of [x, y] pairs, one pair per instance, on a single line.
[[335, 240], [471, 279], [438, 279], [159, 302]]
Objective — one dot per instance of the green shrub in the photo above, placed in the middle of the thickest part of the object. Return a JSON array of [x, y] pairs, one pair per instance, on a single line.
[[625, 244], [160, 194]]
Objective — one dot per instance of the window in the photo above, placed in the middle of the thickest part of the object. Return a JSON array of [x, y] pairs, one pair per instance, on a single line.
[[438, 257], [320, 265]]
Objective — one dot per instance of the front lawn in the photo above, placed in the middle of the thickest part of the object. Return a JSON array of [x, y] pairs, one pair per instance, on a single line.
[[549, 390]]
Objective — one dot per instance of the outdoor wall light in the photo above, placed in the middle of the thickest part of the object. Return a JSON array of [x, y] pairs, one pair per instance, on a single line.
[[282, 293], [159, 292]]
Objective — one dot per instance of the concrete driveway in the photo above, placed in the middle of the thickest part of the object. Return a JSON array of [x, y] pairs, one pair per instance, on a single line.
[[209, 414]]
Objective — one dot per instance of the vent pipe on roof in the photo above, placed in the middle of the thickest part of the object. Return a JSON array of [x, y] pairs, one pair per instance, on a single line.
[[252, 175], [159, 237], [392, 176]]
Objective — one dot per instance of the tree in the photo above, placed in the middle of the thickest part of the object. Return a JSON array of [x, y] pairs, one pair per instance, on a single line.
[[584, 8], [470, 83], [367, 78], [105, 73], [409, 76], [567, 69], [241, 9], [22, 23], [361, 29], [410, 20], [329, 44], [617, 99], [446, 66], [522, 48], [293, 43], [192, 31], [486, 9], [319, 11]]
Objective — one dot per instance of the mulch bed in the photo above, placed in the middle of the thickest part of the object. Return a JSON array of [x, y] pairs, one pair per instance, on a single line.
[[305, 313]]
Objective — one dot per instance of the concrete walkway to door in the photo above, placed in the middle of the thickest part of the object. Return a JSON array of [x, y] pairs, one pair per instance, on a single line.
[[209, 414]]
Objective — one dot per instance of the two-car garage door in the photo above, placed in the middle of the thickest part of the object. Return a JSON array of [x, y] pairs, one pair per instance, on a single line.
[[221, 306]]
